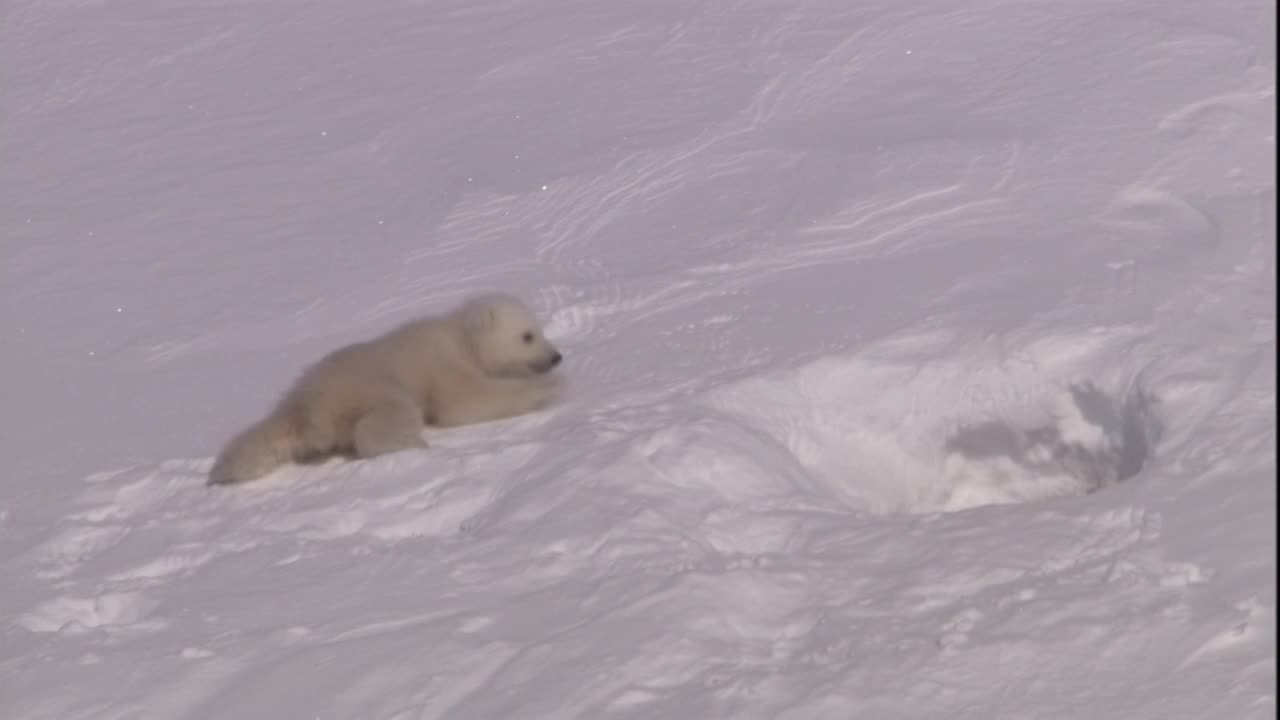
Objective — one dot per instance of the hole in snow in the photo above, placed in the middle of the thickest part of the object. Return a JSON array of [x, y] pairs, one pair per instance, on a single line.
[[905, 439], [1092, 442]]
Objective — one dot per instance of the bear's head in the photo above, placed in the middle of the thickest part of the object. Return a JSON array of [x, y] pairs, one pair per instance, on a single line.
[[506, 337]]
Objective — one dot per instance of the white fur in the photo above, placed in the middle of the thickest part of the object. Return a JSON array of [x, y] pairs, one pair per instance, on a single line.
[[485, 360]]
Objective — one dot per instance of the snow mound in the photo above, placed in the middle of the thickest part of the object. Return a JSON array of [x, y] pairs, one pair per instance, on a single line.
[[890, 435], [1093, 441]]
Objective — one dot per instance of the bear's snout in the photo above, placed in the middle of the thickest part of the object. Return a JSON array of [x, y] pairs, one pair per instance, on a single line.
[[547, 362]]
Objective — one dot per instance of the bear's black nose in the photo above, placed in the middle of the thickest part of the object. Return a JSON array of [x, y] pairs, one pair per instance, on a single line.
[[556, 357]]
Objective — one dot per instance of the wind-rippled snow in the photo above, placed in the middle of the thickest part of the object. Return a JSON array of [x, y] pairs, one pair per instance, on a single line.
[[922, 359]]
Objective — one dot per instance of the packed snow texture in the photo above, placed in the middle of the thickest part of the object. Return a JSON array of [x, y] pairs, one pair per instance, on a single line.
[[921, 357]]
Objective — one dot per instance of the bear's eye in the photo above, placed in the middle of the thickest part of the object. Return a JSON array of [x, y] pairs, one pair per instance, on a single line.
[[528, 337]]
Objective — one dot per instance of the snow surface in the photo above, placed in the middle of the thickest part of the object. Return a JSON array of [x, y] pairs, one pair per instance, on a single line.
[[922, 358]]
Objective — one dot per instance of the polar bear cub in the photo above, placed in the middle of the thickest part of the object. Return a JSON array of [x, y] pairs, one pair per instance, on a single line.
[[487, 359]]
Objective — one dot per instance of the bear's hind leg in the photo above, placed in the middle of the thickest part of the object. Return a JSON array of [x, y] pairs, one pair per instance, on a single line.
[[388, 428]]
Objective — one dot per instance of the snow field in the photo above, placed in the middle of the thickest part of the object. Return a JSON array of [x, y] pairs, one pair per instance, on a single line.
[[921, 355]]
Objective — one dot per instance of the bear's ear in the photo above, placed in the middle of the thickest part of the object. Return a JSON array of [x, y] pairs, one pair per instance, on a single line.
[[480, 318]]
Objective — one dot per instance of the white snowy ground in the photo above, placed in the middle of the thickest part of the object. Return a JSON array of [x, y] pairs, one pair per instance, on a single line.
[[859, 299]]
